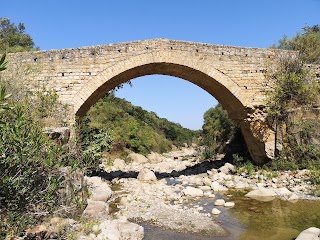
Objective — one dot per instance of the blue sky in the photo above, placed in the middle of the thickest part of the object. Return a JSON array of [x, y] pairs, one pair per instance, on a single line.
[[250, 23]]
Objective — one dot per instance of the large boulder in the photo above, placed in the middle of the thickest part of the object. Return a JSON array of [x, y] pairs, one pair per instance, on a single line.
[[120, 229], [119, 163], [192, 192], [262, 194], [155, 157], [100, 190], [138, 158], [146, 174], [309, 234], [96, 209]]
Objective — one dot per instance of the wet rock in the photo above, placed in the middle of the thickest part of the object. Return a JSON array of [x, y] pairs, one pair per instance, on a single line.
[[219, 202], [229, 204], [262, 192], [192, 192], [146, 174], [215, 211]]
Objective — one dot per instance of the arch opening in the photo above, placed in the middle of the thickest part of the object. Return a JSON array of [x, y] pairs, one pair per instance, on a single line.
[[223, 95], [216, 83]]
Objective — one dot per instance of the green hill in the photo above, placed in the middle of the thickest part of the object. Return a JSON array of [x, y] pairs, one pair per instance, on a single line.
[[136, 129]]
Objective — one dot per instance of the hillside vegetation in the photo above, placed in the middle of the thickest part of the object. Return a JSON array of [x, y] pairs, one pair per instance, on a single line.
[[135, 129]]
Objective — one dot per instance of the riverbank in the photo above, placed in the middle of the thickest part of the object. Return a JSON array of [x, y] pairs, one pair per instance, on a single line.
[[178, 196]]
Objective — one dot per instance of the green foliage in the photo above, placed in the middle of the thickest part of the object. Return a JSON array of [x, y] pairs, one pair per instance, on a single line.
[[218, 129], [136, 129], [93, 143], [290, 112], [293, 86], [13, 38], [307, 43]]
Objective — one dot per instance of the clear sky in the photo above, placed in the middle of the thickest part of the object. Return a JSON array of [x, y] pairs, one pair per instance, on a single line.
[[74, 23]]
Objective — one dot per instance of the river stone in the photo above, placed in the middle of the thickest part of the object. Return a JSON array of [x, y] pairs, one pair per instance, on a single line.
[[219, 202], [96, 209], [100, 190], [262, 192], [146, 174], [309, 234], [205, 188], [229, 204], [138, 158], [155, 157], [119, 163], [217, 187], [215, 211], [226, 168], [192, 192], [207, 181]]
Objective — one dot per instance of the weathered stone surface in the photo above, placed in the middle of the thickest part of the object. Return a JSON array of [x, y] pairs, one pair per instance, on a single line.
[[192, 192], [233, 75], [96, 209], [215, 211], [146, 174], [139, 158], [219, 202], [100, 190], [217, 187]]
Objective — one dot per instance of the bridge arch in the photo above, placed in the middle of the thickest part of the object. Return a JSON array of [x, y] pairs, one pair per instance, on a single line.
[[178, 64]]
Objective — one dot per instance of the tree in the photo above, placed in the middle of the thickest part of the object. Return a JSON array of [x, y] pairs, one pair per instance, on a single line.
[[218, 129], [292, 114], [13, 38], [307, 43]]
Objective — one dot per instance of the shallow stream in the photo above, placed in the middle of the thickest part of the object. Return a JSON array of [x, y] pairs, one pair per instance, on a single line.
[[251, 219]]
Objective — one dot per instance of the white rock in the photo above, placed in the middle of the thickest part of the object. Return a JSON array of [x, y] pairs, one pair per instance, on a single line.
[[96, 209], [205, 188], [155, 157], [207, 181], [100, 190], [215, 211], [219, 202], [309, 234], [217, 187], [136, 157], [146, 174], [283, 191], [227, 168], [229, 184], [119, 163], [192, 192], [241, 185], [229, 204], [262, 192]]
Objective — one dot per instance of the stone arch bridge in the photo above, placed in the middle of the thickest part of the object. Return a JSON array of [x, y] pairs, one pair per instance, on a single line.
[[233, 75]]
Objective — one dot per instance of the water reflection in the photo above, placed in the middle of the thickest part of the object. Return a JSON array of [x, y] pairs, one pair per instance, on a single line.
[[251, 219]]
